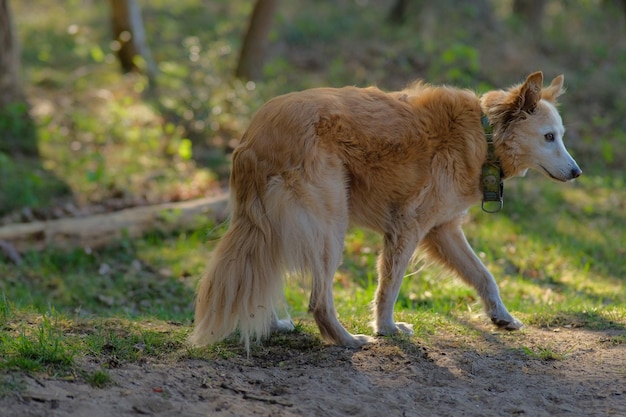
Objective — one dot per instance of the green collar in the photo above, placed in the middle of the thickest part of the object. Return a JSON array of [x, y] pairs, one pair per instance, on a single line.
[[491, 178]]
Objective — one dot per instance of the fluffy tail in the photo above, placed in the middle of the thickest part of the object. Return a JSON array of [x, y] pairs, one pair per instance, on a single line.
[[241, 287]]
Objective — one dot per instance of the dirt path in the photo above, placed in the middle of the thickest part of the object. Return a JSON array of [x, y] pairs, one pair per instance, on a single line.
[[495, 374]]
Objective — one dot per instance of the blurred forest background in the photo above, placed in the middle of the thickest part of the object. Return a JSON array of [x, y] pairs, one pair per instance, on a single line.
[[97, 114]]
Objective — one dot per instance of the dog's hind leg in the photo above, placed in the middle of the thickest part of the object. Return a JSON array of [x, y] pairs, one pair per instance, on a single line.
[[310, 213], [324, 256], [448, 245], [392, 264], [321, 304]]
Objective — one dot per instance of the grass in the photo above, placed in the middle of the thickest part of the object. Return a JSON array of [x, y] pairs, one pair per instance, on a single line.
[[98, 379], [543, 353], [556, 250], [616, 340]]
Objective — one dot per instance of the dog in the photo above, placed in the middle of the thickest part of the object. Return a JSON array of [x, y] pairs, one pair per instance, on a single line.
[[406, 164]]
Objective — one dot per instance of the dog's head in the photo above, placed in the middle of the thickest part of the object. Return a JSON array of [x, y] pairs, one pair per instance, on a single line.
[[528, 130]]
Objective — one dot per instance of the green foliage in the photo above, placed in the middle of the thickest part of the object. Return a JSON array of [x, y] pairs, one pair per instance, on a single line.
[[459, 64], [24, 183], [17, 129]]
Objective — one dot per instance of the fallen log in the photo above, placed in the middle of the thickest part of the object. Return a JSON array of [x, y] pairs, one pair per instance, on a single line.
[[102, 229]]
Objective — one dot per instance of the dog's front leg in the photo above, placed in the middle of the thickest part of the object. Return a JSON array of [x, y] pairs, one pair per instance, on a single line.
[[448, 245], [392, 264]]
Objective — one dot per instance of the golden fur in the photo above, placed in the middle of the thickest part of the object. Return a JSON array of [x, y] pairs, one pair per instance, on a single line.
[[406, 164]]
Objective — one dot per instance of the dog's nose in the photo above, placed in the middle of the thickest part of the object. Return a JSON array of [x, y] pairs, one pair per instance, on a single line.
[[576, 172]]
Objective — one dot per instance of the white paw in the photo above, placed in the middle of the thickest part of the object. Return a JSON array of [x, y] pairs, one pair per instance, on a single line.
[[358, 340], [283, 326], [507, 322], [394, 328]]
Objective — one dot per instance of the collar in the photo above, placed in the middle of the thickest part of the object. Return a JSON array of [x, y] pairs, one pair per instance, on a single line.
[[491, 176]]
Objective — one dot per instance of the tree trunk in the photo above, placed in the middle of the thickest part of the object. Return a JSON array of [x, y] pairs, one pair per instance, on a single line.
[[17, 132], [251, 57], [129, 33], [10, 90]]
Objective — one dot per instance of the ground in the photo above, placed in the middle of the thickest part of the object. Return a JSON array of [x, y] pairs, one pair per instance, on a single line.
[[535, 372]]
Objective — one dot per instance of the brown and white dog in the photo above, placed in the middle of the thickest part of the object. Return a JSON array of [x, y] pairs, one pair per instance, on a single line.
[[406, 164]]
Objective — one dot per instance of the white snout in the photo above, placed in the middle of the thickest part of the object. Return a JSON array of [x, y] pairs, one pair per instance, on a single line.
[[563, 169]]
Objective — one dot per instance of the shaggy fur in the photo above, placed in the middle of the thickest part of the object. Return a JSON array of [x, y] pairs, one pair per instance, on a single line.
[[406, 164]]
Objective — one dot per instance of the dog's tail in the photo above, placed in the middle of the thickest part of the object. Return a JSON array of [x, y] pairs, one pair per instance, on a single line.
[[242, 285]]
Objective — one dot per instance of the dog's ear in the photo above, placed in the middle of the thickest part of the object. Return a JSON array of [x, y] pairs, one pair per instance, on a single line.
[[530, 92], [503, 107], [554, 90]]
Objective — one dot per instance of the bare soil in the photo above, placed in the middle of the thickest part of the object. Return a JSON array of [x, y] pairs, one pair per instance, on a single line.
[[583, 373]]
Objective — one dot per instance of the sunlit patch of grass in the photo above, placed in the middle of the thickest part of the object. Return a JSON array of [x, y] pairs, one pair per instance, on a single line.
[[55, 344], [41, 346]]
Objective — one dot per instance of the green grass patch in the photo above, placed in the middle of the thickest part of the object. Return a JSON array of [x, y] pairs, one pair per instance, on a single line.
[[543, 353], [36, 347], [99, 378], [615, 340]]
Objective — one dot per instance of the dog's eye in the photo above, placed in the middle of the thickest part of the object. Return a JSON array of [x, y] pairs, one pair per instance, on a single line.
[[549, 137]]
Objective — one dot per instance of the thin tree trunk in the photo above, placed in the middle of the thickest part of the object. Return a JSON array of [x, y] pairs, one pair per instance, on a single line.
[[17, 131], [254, 47], [129, 32], [10, 86]]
